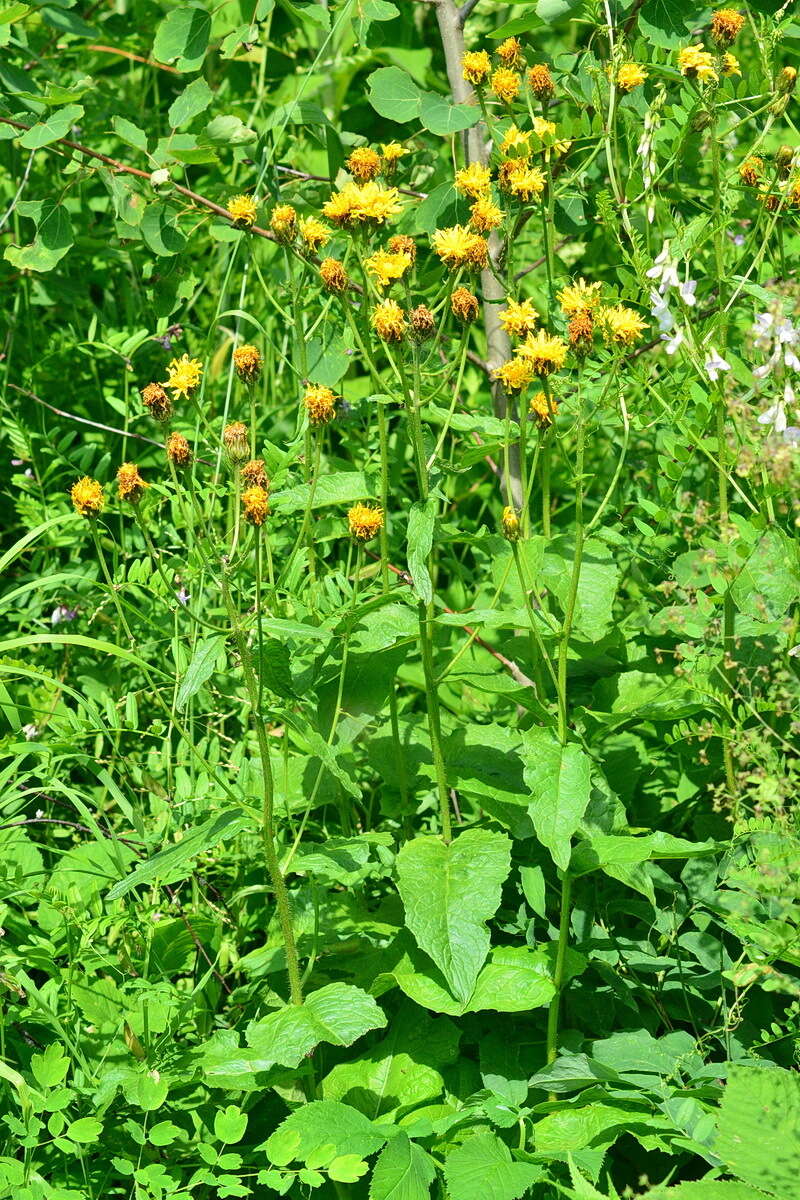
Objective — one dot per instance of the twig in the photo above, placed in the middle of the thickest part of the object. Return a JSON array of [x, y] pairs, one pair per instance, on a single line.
[[60, 412], [148, 62], [465, 10]]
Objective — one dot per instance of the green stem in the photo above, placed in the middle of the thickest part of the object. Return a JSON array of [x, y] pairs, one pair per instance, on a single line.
[[572, 595], [558, 973]]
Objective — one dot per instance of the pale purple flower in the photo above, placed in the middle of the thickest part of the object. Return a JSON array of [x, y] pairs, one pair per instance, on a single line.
[[183, 596], [62, 613], [31, 732], [715, 364]]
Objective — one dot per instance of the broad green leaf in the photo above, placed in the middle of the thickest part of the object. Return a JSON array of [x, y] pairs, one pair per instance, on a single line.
[[182, 37], [439, 115], [50, 1067], [449, 893], [403, 1171], [230, 1124], [160, 229], [597, 584], [575, 1128], [707, 1189], [194, 99], [768, 582], [393, 94], [85, 1130], [342, 487], [482, 1169], [559, 778], [56, 125], [229, 131], [338, 1014], [52, 241], [759, 1128], [420, 540], [323, 1123], [200, 669], [604, 852], [347, 1168], [666, 23]]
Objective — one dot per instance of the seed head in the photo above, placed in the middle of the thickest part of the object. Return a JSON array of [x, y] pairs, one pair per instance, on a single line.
[[236, 443], [464, 305], [247, 362], [364, 521], [751, 170], [579, 332], [423, 323], [540, 81], [156, 401], [254, 474], [130, 483], [400, 243], [178, 450], [87, 497]]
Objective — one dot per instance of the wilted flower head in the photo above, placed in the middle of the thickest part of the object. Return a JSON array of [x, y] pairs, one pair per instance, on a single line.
[[388, 321], [236, 443], [333, 274], [540, 81], [580, 330], [87, 497], [254, 474], [751, 170], [283, 222], [544, 352], [726, 25], [184, 375], [506, 84], [130, 483], [320, 404], [475, 67], [518, 318], [364, 163], [156, 401], [178, 450], [242, 210], [422, 322], [401, 243], [313, 233], [255, 504], [464, 304], [364, 521], [247, 362]]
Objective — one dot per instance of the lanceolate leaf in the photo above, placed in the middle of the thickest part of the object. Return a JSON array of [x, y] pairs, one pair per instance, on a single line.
[[559, 779]]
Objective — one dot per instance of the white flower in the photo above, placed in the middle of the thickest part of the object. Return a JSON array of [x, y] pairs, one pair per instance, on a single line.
[[664, 268], [775, 415], [687, 292], [715, 364], [674, 342]]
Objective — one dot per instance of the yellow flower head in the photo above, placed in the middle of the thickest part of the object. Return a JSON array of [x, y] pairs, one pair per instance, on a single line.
[[696, 63], [620, 325], [157, 402], [794, 193], [510, 525], [130, 483], [542, 408], [368, 203], [458, 246], [254, 474], [283, 222], [387, 267], [540, 81], [546, 132], [544, 352], [515, 375], [333, 274], [242, 210], [314, 233], [474, 180], [730, 64], [506, 85], [184, 375], [485, 215], [236, 443], [388, 321], [629, 76], [247, 362], [522, 180], [364, 163], [392, 153], [87, 497], [519, 318], [255, 505], [364, 522], [515, 140], [787, 78], [464, 304], [320, 404], [579, 297], [401, 243], [178, 450], [726, 25], [750, 171], [423, 323], [475, 67], [510, 52]]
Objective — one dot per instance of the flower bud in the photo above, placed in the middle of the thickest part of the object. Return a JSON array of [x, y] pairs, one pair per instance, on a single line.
[[787, 78], [510, 524], [236, 443]]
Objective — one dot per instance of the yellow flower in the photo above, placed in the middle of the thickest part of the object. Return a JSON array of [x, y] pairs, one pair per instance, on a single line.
[[333, 274], [367, 203], [247, 362], [314, 233], [236, 443], [750, 171], [87, 497], [540, 81], [364, 163], [629, 76], [579, 297], [621, 325], [255, 505], [387, 267], [787, 78], [320, 404], [341, 207], [475, 66], [392, 153], [458, 246], [730, 64], [515, 139], [242, 210], [464, 304], [510, 52], [726, 25], [183, 375], [254, 474], [485, 215], [364, 521], [388, 321], [401, 243], [514, 375], [522, 180], [156, 400], [546, 132], [544, 352], [506, 85], [543, 408], [283, 222], [178, 450], [474, 180], [696, 63], [509, 523], [519, 318], [130, 483]]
